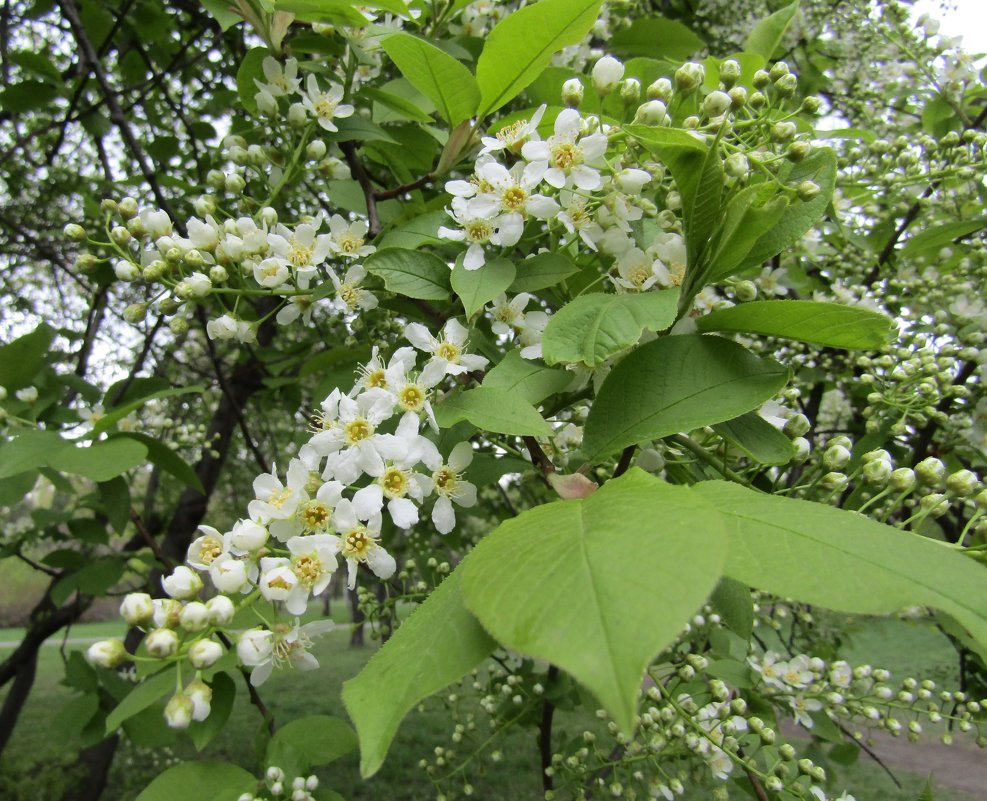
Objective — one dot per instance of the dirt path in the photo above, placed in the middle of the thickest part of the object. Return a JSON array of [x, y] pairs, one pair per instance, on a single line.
[[961, 766]]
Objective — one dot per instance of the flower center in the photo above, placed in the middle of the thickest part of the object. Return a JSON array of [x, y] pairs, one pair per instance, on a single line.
[[300, 254], [348, 294], [356, 544], [514, 198], [638, 275], [395, 482], [566, 154], [279, 498], [325, 107], [448, 351], [376, 378], [478, 230], [210, 549], [445, 480], [314, 515], [308, 569], [411, 398], [348, 243], [272, 270], [357, 430]]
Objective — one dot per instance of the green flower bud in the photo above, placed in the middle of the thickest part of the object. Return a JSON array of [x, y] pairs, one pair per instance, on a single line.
[[86, 262], [75, 232], [168, 306], [215, 179], [194, 258], [962, 483], [630, 91], [812, 104], [127, 208], [689, 77], [797, 151], [660, 90], [778, 70], [930, 471], [651, 113], [877, 471], [218, 274], [903, 479], [572, 93], [716, 103], [121, 236], [935, 503], [761, 79], [783, 131], [833, 481], [135, 313], [178, 325], [787, 85], [757, 100], [108, 206], [745, 291], [786, 751], [808, 190], [730, 72], [797, 426], [836, 457], [316, 151], [738, 97], [235, 184]]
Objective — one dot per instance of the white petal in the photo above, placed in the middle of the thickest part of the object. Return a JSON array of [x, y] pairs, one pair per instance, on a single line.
[[419, 336], [403, 512], [461, 457], [381, 563], [475, 257], [368, 501], [443, 515]]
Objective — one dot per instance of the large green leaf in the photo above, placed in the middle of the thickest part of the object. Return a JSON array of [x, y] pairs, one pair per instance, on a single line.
[[749, 215], [436, 645], [843, 560], [411, 273], [542, 271], [476, 288], [494, 410], [435, 74], [655, 37], [21, 359], [101, 461], [592, 328], [311, 741], [141, 697], [251, 70], [800, 216], [522, 44], [756, 437], [531, 380], [599, 586], [677, 384], [768, 33], [929, 241], [200, 781], [829, 324], [164, 457], [29, 450]]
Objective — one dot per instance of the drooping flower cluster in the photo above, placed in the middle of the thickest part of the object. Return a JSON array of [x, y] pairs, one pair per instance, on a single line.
[[367, 460]]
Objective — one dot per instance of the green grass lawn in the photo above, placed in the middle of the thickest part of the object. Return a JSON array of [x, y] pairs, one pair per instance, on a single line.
[[37, 756]]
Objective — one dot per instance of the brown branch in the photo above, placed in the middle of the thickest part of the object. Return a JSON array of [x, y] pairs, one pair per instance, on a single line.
[[388, 194], [538, 457], [362, 178], [625, 461], [545, 732]]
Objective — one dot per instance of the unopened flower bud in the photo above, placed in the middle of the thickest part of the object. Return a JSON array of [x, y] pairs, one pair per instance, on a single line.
[[161, 643], [808, 190], [797, 151], [630, 91], [218, 274], [121, 236], [194, 617], [235, 184], [108, 206], [812, 104], [183, 583], [934, 503], [75, 232], [738, 97], [689, 76], [930, 471], [651, 113], [221, 610], [797, 426], [659, 90], [269, 216], [877, 471], [178, 711], [126, 271], [757, 101], [787, 85], [135, 313], [127, 208], [962, 483], [737, 165], [833, 481], [137, 608], [778, 70], [204, 654], [316, 150], [836, 457], [903, 479], [106, 653], [607, 73], [745, 291], [783, 131], [572, 93], [86, 262], [200, 694], [297, 115], [716, 103]]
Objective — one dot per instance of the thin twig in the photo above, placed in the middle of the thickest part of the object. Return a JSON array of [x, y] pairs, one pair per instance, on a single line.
[[362, 178]]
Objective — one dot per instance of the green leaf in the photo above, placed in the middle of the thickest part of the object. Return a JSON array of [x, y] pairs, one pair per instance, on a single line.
[[829, 324], [655, 37], [223, 695], [29, 451], [101, 461], [522, 44], [494, 410], [756, 437], [800, 216], [599, 586], [164, 457], [14, 488], [732, 600], [435, 646], [418, 231], [476, 288], [435, 74], [930, 241], [223, 13], [200, 781], [842, 560], [677, 384], [542, 271], [141, 697], [532, 381], [314, 740], [592, 328], [411, 273], [357, 129], [117, 413], [749, 215], [250, 69], [21, 359], [28, 95], [768, 33]]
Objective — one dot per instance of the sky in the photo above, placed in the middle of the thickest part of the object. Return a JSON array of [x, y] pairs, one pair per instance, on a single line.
[[968, 19]]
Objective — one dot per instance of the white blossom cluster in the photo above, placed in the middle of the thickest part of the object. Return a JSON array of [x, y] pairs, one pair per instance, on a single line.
[[366, 458]]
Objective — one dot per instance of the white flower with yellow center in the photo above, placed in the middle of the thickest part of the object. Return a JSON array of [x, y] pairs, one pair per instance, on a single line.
[[348, 239], [576, 219], [272, 273], [349, 440], [231, 575], [477, 231], [205, 549], [313, 515], [514, 136], [771, 669], [358, 543], [770, 281], [638, 272], [265, 650], [277, 501], [377, 374], [325, 106], [302, 249], [246, 537], [802, 709], [279, 81], [350, 296], [449, 485], [448, 354], [399, 485], [313, 561], [510, 193], [568, 157]]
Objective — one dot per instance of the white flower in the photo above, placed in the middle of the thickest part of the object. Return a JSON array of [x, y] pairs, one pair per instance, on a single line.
[[569, 159], [205, 548], [313, 560], [770, 668], [347, 239], [797, 673], [182, 584], [27, 395], [509, 192], [228, 327], [607, 73], [265, 650], [325, 106], [157, 223], [221, 610], [375, 374], [358, 543], [840, 674], [450, 487], [204, 654], [770, 281], [513, 137], [271, 273], [350, 296], [229, 574], [302, 248], [279, 81], [277, 580], [448, 354], [575, 218], [475, 229], [631, 181], [638, 272], [297, 306], [178, 711], [245, 537], [277, 501], [204, 235], [255, 649], [509, 319], [161, 643], [802, 708], [194, 617], [197, 285], [106, 653]]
